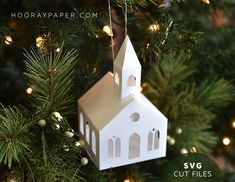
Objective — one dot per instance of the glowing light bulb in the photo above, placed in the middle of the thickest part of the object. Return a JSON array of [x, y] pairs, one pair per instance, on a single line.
[[108, 30], [226, 141], [206, 1], [40, 41], [57, 49], [29, 90], [8, 40], [154, 27], [147, 45], [233, 124]]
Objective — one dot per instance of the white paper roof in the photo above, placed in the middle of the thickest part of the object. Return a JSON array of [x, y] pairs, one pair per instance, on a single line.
[[101, 104]]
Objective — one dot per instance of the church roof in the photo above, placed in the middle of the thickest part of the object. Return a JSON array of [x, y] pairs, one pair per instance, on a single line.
[[101, 104]]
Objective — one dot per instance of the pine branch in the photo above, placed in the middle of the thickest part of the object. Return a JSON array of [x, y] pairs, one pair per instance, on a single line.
[[215, 94], [185, 104], [51, 78], [14, 135]]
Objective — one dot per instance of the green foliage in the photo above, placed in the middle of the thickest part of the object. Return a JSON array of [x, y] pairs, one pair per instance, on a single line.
[[100, 176], [191, 88], [185, 103], [51, 77], [52, 163], [143, 3], [14, 135], [55, 157], [214, 94]]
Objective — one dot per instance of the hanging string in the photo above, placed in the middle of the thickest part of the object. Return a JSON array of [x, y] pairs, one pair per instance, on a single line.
[[111, 28], [125, 18]]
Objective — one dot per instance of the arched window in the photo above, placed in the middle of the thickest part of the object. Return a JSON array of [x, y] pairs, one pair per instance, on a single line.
[[110, 148], [116, 78], [81, 123], [131, 81], [114, 147], [87, 133], [134, 146], [156, 139], [153, 140], [150, 141], [93, 142], [118, 147]]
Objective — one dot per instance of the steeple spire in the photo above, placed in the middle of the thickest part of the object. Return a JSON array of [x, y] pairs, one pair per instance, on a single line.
[[127, 71]]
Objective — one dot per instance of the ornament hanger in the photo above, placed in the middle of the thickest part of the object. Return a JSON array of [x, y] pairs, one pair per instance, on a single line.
[[110, 22], [111, 28], [125, 18]]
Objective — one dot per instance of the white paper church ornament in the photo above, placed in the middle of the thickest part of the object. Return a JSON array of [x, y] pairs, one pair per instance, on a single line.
[[118, 123]]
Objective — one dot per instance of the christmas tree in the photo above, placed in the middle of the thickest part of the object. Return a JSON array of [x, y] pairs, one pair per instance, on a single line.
[[53, 52]]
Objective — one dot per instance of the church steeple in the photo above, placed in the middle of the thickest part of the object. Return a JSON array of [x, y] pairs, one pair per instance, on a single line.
[[127, 71]]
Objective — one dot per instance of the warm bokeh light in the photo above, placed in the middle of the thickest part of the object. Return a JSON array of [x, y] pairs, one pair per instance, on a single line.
[[128, 180], [226, 141], [193, 150], [154, 27], [108, 30], [8, 40], [233, 124], [206, 1], [57, 49], [147, 45], [29, 90], [39, 41]]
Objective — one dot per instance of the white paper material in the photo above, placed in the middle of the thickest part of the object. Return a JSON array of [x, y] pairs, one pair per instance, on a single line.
[[118, 123]]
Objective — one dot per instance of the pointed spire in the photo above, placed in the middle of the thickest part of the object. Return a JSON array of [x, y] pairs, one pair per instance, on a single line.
[[126, 55], [127, 71]]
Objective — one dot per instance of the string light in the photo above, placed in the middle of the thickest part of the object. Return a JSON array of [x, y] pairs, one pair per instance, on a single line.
[[97, 36], [233, 124], [147, 45], [128, 180], [206, 1], [226, 141], [40, 41], [154, 27], [108, 30], [8, 40], [58, 49], [29, 90], [193, 150]]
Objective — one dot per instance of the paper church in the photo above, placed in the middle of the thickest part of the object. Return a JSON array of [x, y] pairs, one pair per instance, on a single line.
[[118, 123]]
